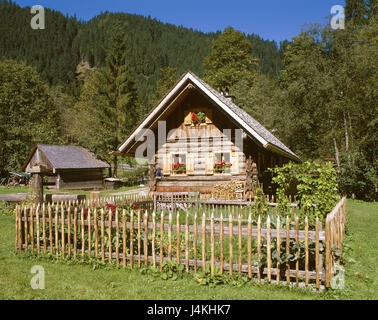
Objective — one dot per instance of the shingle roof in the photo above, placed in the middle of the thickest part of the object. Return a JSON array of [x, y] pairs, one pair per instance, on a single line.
[[71, 157], [249, 123], [254, 124]]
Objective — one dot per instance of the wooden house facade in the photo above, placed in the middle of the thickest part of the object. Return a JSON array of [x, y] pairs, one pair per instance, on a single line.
[[209, 141], [67, 167]]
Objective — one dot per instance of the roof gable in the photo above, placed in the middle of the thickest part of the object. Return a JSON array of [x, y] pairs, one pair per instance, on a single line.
[[68, 157], [248, 123]]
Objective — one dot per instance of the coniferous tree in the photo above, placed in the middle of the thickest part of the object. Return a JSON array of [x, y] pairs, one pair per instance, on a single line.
[[108, 103]]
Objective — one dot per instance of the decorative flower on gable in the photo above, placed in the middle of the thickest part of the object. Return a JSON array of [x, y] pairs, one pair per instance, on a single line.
[[198, 118]]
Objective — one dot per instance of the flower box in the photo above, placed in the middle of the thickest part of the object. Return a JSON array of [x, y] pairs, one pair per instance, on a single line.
[[221, 167], [179, 168]]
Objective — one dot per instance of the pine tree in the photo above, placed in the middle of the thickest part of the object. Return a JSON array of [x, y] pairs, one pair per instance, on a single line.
[[120, 111]]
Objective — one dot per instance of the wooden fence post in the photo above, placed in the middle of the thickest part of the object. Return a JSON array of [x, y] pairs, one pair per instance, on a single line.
[[328, 263]]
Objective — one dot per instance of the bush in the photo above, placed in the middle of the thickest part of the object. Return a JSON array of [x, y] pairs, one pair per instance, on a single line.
[[359, 178], [316, 184], [133, 178]]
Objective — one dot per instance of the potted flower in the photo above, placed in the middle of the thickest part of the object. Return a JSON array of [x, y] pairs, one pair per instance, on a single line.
[[221, 166], [198, 118], [179, 168]]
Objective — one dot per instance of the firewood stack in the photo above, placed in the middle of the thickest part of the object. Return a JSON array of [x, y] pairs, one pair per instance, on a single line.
[[232, 191]]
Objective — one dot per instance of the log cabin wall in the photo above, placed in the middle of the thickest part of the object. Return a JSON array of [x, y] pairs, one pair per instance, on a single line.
[[198, 146], [81, 179]]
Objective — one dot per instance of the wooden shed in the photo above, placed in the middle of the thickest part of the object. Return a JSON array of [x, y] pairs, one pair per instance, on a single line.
[[68, 167], [209, 141]]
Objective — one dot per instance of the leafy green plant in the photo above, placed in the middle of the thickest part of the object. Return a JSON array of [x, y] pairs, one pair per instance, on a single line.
[[170, 271], [205, 278], [316, 184]]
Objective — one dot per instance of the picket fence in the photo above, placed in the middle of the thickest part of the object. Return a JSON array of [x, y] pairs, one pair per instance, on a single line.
[[135, 238]]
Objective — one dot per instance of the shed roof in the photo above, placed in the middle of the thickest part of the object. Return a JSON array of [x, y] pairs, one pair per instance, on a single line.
[[68, 157]]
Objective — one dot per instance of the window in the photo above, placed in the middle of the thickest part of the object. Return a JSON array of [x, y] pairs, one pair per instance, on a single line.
[[178, 163], [222, 162]]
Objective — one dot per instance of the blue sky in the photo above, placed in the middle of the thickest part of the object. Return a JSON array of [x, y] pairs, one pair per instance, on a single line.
[[271, 19]]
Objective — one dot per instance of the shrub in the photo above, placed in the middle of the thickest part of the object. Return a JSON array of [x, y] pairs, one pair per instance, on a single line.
[[316, 185], [359, 178]]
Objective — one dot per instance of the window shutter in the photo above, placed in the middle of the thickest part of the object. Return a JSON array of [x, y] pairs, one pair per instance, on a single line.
[[209, 163], [190, 164], [235, 162], [167, 164]]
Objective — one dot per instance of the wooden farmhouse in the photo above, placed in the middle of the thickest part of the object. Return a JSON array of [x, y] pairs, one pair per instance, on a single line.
[[67, 167], [209, 141]]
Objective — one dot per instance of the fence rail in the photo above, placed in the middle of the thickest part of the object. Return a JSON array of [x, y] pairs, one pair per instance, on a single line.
[[267, 250]]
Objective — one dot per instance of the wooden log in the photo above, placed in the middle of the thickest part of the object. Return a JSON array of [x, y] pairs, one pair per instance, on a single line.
[[212, 244], [95, 226], [249, 239], [178, 249], [89, 233], [221, 243], [268, 249], [298, 252], [31, 223], [20, 229], [75, 234], [328, 265], [317, 283], [82, 224], [38, 229], [195, 235], [69, 231], [132, 239], [26, 228], [102, 223], [153, 238], [145, 251], [239, 245], [139, 240], [187, 243], [203, 241], [124, 238], [230, 239], [288, 249], [16, 228], [110, 225], [306, 252], [117, 237], [170, 236], [278, 248], [56, 230], [161, 240], [62, 226], [259, 247]]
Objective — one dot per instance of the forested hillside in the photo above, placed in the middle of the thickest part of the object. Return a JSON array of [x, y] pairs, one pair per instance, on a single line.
[[150, 46]]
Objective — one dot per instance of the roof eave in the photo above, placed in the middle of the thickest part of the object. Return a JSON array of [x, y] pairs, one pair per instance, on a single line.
[[283, 152]]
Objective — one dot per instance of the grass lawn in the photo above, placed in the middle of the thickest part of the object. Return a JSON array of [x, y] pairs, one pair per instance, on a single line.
[[75, 281]]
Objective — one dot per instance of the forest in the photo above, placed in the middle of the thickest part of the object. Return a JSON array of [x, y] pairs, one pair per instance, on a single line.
[[89, 83]]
